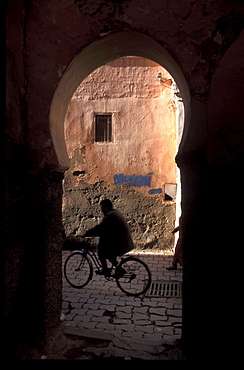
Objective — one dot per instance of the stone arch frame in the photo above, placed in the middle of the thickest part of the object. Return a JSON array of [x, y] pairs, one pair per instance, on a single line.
[[98, 53]]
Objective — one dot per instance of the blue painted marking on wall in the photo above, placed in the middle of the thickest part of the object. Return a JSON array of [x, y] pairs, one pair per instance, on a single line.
[[155, 191], [133, 180]]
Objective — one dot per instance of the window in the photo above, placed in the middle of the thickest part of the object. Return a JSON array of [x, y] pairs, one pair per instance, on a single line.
[[103, 128]]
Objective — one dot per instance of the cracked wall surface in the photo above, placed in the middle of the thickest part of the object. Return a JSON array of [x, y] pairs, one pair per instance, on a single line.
[[139, 158]]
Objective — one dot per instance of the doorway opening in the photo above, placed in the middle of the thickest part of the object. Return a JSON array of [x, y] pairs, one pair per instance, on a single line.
[[99, 53], [122, 132]]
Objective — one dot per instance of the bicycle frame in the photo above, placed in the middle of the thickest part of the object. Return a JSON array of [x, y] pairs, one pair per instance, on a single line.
[[93, 257], [90, 251]]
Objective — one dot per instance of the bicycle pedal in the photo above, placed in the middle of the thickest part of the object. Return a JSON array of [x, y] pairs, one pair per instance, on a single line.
[[99, 272], [102, 272], [133, 276]]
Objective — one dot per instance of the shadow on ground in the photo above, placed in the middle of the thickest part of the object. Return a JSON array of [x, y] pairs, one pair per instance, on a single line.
[[63, 345]]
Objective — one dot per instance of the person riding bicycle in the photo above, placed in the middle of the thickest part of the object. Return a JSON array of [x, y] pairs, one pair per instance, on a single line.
[[115, 236]]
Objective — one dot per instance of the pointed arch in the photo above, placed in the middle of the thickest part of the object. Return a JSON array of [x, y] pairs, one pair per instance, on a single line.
[[93, 56]]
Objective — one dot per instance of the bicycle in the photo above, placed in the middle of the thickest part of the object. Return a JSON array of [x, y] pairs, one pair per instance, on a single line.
[[132, 275]]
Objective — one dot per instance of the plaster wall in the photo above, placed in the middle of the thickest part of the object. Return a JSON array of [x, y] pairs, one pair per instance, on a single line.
[[143, 120], [140, 156]]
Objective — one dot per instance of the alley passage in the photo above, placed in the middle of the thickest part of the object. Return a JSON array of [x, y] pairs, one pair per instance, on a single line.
[[102, 307]]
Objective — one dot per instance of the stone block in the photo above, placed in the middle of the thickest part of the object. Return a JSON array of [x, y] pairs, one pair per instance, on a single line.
[[139, 316], [158, 311], [126, 327], [177, 313]]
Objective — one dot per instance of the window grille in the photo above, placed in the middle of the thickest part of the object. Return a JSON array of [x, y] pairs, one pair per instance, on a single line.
[[103, 128]]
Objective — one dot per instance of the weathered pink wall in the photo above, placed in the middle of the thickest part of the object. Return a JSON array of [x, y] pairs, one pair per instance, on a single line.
[[142, 150], [143, 120]]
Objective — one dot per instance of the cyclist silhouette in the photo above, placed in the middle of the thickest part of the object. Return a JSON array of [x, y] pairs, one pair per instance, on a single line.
[[115, 236]]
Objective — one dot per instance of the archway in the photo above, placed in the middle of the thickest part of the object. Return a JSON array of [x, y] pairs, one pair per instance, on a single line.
[[98, 53], [93, 56]]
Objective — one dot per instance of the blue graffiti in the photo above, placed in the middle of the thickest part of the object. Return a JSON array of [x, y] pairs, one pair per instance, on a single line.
[[133, 180], [155, 191]]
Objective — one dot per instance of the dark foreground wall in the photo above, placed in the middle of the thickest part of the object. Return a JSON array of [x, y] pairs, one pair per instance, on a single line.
[[206, 41]]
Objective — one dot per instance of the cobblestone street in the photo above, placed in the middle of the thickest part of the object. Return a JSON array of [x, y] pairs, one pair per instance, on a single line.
[[101, 308]]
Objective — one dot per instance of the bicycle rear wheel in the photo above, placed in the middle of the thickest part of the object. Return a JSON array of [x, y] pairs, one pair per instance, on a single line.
[[78, 269], [133, 276]]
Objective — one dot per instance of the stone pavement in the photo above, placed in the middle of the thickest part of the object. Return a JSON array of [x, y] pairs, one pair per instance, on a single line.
[[101, 310]]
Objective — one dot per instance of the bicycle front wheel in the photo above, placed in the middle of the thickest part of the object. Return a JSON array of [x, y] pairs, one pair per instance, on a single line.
[[78, 269], [133, 276]]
